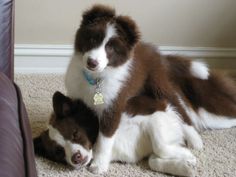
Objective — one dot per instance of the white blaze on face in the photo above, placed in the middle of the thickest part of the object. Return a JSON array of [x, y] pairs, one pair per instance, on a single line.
[[99, 53], [69, 147]]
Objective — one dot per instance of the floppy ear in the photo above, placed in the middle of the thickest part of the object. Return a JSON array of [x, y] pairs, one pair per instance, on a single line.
[[129, 29], [62, 105], [97, 12]]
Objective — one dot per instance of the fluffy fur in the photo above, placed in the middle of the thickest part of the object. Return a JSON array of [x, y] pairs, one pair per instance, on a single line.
[[128, 67], [148, 136]]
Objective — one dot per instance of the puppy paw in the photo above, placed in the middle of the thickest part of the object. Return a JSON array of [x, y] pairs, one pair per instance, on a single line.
[[186, 169], [178, 167], [187, 155], [191, 161], [97, 168], [198, 145]]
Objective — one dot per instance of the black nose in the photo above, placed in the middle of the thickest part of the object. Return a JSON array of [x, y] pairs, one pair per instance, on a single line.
[[92, 63], [77, 158]]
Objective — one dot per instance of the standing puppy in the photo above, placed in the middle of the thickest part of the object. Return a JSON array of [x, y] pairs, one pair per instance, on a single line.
[[108, 67]]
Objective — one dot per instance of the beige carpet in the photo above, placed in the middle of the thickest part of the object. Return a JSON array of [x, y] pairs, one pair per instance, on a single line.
[[218, 158]]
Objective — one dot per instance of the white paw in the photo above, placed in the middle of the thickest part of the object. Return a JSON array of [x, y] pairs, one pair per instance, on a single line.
[[197, 144], [98, 168], [185, 154], [191, 159], [186, 168], [179, 167]]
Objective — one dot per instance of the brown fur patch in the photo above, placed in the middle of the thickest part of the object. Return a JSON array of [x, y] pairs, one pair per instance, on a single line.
[[127, 28], [144, 105], [48, 148], [89, 37], [97, 14], [217, 95]]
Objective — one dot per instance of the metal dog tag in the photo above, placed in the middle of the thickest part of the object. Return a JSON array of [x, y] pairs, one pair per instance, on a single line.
[[98, 99], [98, 96]]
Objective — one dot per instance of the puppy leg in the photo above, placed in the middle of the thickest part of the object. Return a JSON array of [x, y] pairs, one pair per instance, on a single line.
[[180, 167], [166, 133], [192, 137], [102, 154], [175, 152], [170, 158], [108, 125]]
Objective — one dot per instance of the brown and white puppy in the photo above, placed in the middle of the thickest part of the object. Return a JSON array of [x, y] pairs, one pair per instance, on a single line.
[[110, 66], [155, 131], [71, 133]]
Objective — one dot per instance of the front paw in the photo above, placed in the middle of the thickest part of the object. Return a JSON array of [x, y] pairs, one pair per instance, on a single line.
[[97, 168]]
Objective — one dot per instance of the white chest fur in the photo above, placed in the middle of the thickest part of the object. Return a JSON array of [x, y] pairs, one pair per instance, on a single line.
[[78, 87]]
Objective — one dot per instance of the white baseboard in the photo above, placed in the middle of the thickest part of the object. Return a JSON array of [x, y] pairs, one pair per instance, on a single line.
[[55, 58], [42, 58]]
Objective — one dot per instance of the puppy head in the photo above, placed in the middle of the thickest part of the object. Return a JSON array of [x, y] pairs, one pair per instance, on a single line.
[[71, 133], [104, 39]]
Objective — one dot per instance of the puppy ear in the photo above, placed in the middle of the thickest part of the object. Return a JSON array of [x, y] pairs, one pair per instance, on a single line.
[[128, 28], [62, 105], [97, 12]]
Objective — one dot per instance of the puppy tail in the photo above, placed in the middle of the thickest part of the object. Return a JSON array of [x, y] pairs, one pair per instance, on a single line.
[[215, 99], [212, 95]]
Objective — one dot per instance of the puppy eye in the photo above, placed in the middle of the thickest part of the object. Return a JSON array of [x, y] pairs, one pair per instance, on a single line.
[[59, 151], [92, 40], [75, 135], [109, 47]]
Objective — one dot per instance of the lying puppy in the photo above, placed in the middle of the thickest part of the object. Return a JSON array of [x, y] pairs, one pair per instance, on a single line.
[[73, 129]]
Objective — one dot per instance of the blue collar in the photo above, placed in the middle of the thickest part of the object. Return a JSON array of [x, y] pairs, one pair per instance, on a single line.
[[89, 78]]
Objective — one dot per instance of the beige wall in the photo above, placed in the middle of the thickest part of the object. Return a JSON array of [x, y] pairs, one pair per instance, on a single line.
[[204, 23]]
